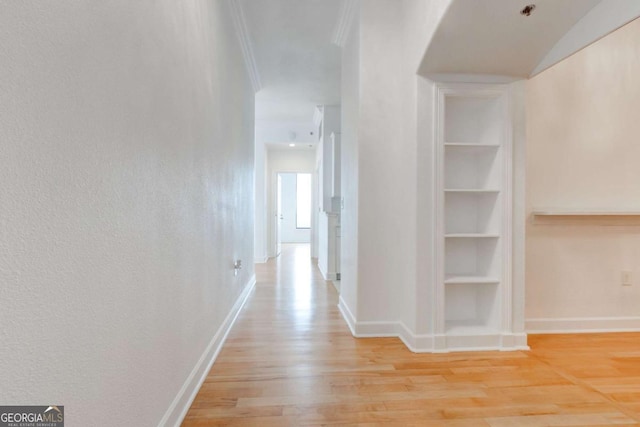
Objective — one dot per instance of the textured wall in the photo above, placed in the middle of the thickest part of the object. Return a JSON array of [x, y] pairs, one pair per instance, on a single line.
[[583, 152], [126, 156]]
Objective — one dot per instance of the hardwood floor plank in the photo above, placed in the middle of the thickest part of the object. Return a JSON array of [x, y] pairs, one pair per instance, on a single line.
[[291, 361]]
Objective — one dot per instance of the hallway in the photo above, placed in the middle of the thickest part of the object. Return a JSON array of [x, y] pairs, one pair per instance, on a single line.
[[290, 360]]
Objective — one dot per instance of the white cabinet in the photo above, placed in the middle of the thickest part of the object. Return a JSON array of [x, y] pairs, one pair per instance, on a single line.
[[473, 217]]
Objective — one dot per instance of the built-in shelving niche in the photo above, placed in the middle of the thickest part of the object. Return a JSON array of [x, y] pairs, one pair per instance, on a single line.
[[474, 164]]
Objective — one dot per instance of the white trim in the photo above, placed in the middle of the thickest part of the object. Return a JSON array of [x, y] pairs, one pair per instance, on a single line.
[[376, 329], [572, 325], [506, 286], [242, 31], [582, 212], [416, 343], [258, 260], [347, 315], [336, 285], [515, 341], [345, 19], [429, 343], [366, 329], [438, 217], [182, 402], [328, 275]]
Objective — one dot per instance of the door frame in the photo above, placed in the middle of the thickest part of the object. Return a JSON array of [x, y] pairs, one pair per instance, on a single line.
[[273, 233]]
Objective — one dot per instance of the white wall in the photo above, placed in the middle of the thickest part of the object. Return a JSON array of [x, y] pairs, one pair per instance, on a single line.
[[420, 21], [283, 160], [288, 228], [260, 202], [350, 106], [386, 176], [582, 152], [386, 201], [126, 162], [272, 132]]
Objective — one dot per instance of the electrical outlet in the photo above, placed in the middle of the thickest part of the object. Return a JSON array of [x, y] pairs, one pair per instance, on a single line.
[[626, 278]]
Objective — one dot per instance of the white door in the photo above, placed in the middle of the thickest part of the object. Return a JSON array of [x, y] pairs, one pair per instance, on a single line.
[[278, 217]]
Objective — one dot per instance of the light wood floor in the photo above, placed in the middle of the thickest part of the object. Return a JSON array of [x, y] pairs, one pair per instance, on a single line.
[[291, 361]]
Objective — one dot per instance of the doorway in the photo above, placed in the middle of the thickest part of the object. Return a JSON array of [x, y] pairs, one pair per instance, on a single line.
[[293, 209]]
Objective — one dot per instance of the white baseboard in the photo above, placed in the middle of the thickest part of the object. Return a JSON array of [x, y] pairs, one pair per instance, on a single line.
[[331, 276], [417, 343], [328, 275], [366, 329], [573, 325], [178, 409], [258, 260], [347, 315], [336, 285], [430, 343]]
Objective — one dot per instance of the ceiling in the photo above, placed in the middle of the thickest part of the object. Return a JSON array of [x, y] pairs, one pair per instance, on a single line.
[[297, 63], [492, 37]]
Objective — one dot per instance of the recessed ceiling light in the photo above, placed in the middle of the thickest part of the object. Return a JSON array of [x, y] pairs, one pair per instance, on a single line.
[[528, 10], [292, 145]]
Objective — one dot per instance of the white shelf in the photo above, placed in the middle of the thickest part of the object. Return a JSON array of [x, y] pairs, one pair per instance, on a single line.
[[470, 145], [471, 236], [474, 154], [470, 190], [579, 212], [459, 279]]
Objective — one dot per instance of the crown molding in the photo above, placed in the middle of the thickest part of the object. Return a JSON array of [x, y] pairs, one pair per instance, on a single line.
[[242, 31], [345, 19]]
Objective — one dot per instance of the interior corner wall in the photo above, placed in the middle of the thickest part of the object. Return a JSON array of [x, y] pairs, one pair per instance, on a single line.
[[582, 153], [126, 165], [420, 19], [386, 110]]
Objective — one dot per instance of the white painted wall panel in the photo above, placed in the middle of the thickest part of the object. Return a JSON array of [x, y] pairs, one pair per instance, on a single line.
[[349, 167], [386, 215], [126, 171], [582, 152]]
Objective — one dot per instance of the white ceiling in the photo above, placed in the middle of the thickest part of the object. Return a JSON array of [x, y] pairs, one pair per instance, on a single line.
[[298, 65], [492, 37]]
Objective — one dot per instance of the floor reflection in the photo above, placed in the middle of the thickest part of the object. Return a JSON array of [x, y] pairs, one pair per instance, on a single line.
[[295, 278]]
